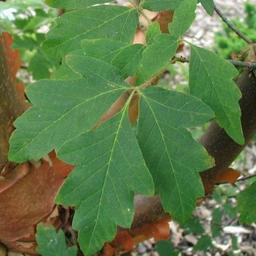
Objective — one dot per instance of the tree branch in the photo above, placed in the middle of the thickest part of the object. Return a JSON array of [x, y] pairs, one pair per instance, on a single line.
[[236, 63], [12, 101], [243, 64], [232, 26], [246, 178]]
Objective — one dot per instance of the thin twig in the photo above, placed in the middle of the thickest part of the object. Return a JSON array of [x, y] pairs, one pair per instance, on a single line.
[[232, 26], [135, 4], [151, 82], [180, 59], [236, 63], [246, 178], [24, 67], [243, 64]]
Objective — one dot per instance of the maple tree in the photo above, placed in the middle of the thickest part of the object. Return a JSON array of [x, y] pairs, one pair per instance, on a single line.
[[103, 113]]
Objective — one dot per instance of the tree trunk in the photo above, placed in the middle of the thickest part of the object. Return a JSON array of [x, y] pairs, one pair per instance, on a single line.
[[12, 103]]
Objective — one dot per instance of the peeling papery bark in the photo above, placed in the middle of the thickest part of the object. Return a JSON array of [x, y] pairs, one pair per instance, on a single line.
[[217, 143], [28, 200], [12, 101]]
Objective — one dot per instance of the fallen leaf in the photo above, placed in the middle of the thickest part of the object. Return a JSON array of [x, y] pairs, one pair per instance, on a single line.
[[29, 200]]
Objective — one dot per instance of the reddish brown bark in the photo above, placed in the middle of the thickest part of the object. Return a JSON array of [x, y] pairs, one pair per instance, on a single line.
[[28, 200], [12, 103], [27, 193]]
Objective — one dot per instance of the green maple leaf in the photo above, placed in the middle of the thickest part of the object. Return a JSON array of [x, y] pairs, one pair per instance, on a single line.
[[160, 5], [184, 15], [51, 243], [172, 155], [109, 169], [124, 56], [116, 22], [134, 59], [161, 50], [247, 205], [59, 104], [211, 79]]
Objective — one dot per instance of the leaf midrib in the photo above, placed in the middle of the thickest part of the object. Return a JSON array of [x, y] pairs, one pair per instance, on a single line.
[[167, 153], [107, 174], [64, 115]]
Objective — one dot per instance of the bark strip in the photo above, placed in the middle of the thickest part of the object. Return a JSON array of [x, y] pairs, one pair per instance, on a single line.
[[12, 103]]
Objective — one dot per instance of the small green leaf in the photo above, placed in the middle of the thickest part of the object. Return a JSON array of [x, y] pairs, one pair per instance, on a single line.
[[156, 57], [247, 205], [184, 15], [75, 4], [58, 104], [208, 6], [160, 5], [230, 210], [204, 243], [109, 169], [193, 225], [171, 154], [211, 79], [165, 248], [108, 21], [216, 222], [235, 244], [51, 243]]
